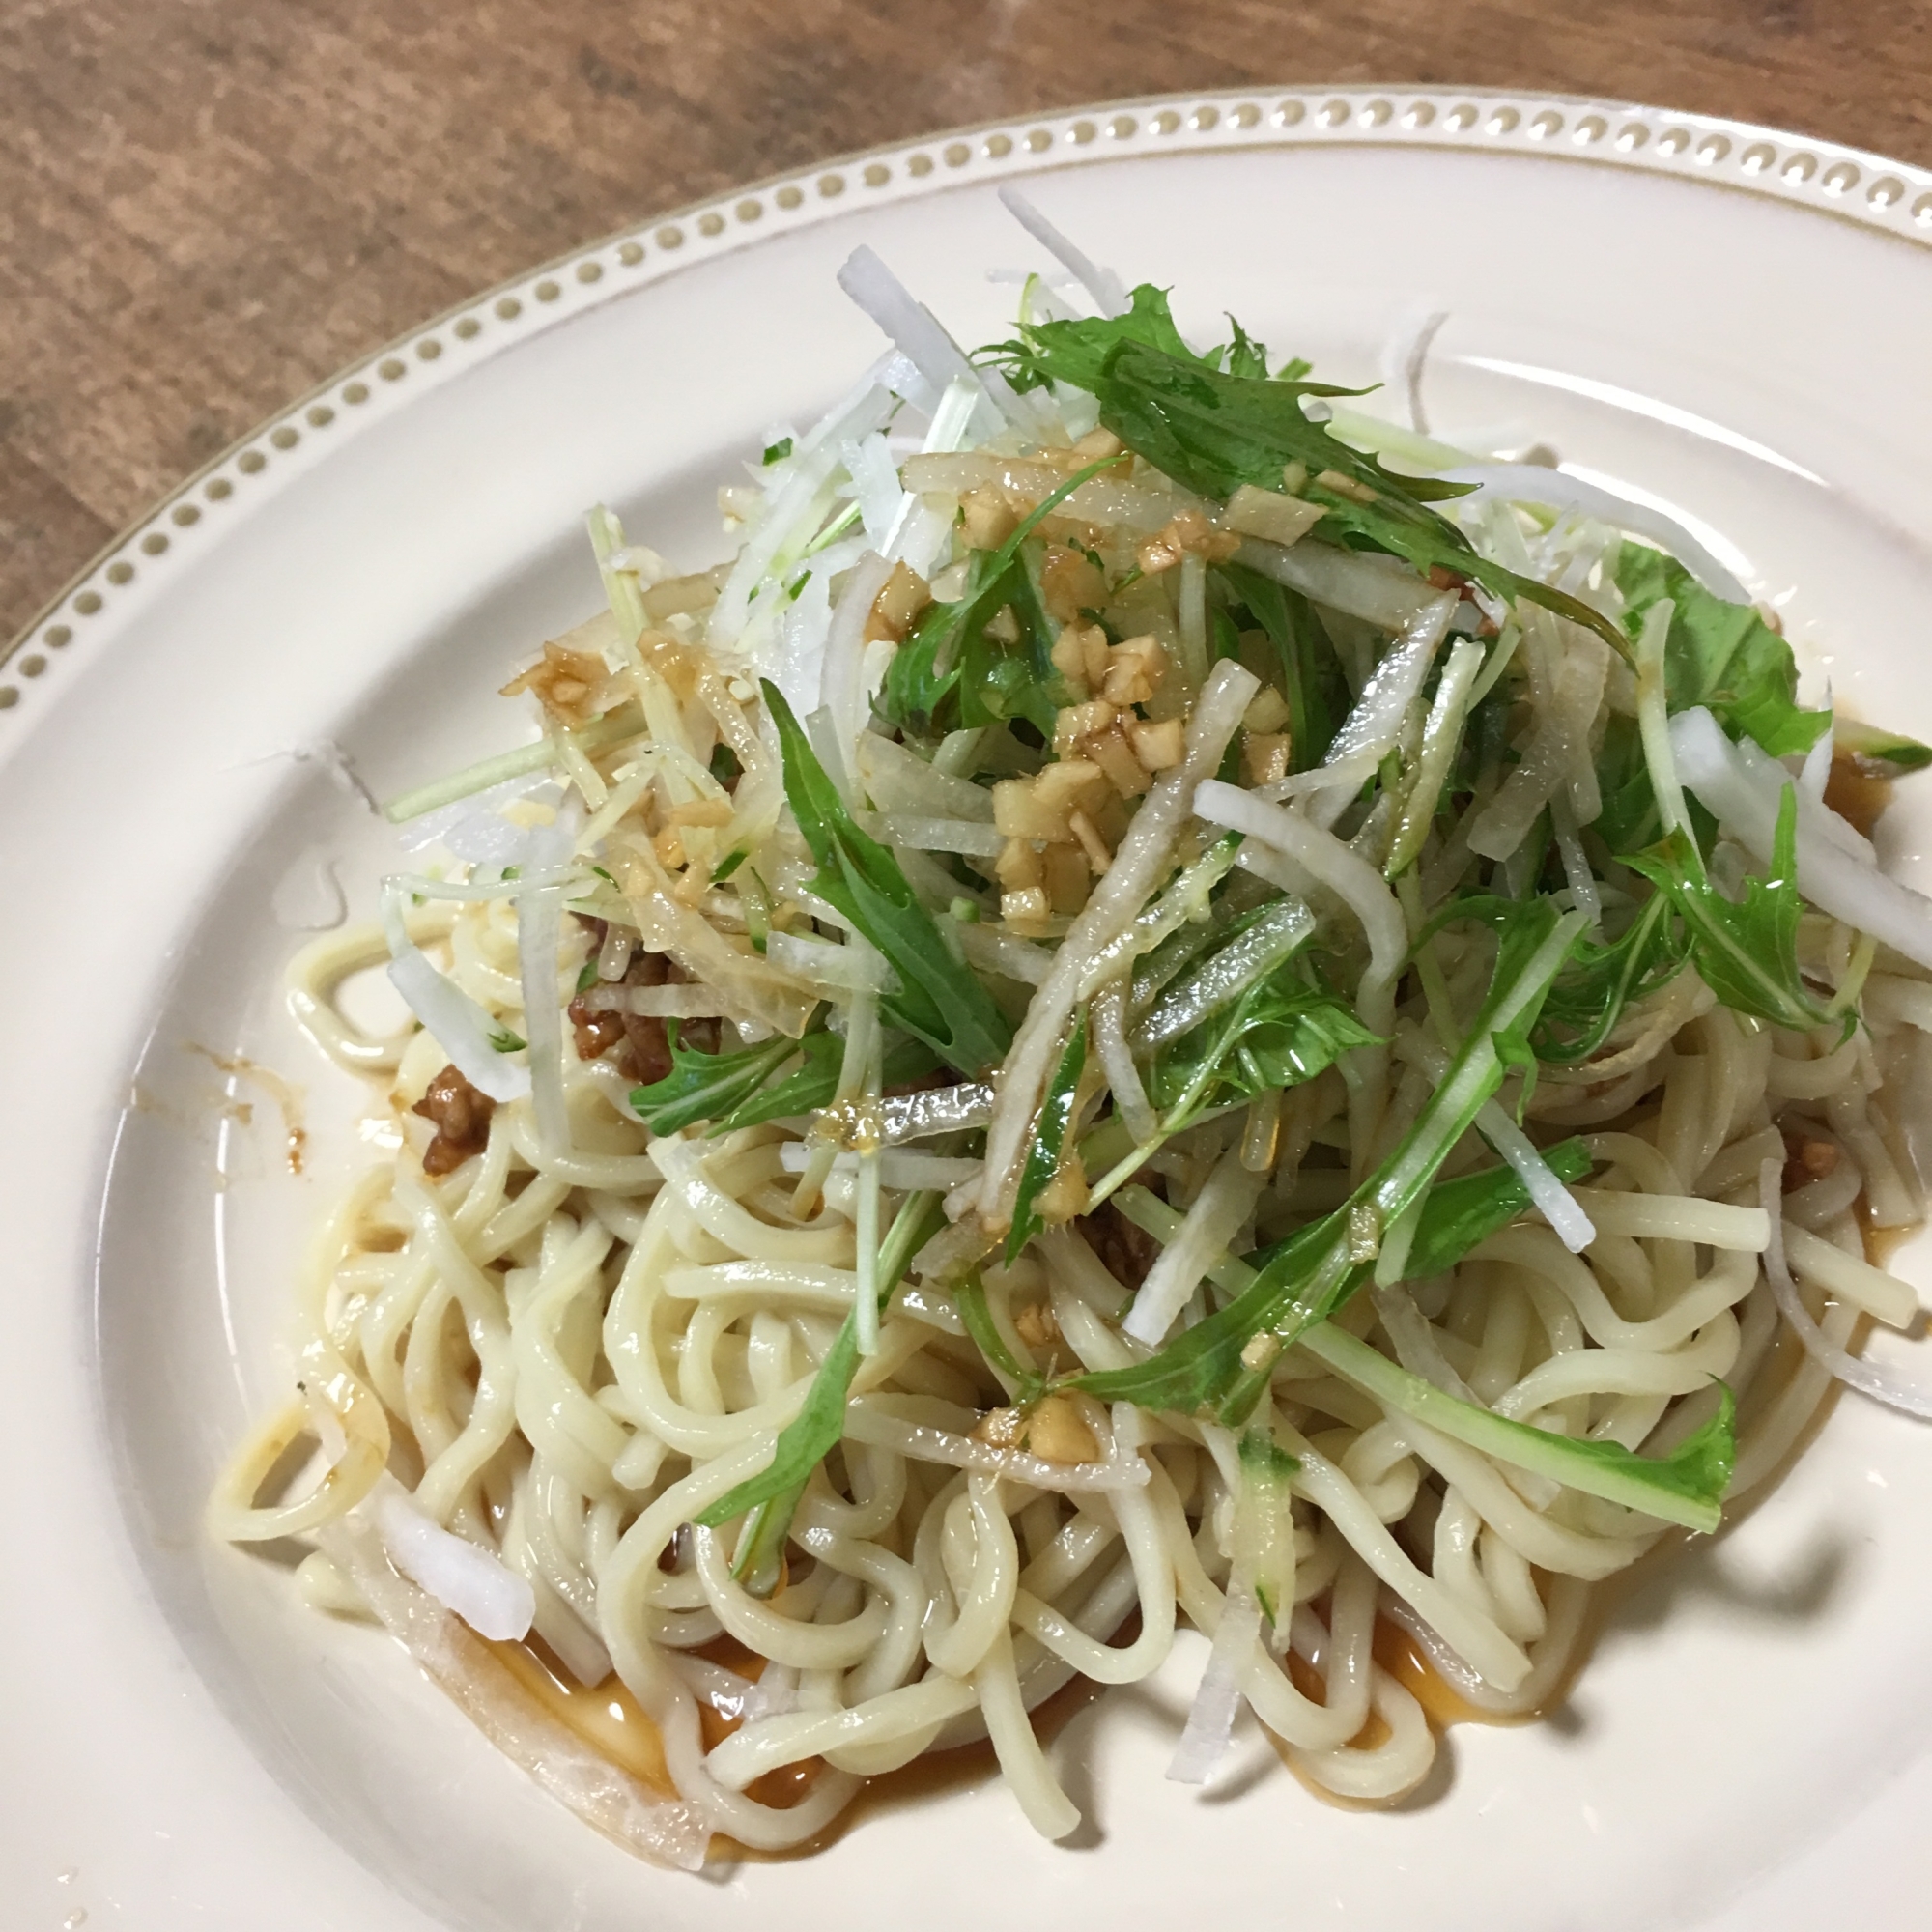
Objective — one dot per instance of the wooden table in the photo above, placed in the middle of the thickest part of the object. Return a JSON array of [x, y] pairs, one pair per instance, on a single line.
[[205, 206]]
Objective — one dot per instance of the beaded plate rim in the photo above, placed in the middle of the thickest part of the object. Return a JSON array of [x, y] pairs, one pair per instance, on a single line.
[[1872, 191]]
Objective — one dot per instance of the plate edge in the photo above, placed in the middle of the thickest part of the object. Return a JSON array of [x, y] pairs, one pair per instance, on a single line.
[[1872, 191]]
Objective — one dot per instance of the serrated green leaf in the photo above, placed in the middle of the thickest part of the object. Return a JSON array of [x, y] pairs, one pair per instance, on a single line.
[[1744, 951], [709, 1086], [1213, 430], [938, 1000], [815, 1431], [1313, 1273], [1720, 655]]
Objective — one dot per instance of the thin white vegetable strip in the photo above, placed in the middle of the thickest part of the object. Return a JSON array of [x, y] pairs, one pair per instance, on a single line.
[[1116, 900], [1223, 1204], [1867, 1377], [459, 1026], [1836, 881], [1531, 483], [1102, 284]]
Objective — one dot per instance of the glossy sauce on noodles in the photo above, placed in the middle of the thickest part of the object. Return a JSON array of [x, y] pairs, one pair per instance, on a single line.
[[611, 1723]]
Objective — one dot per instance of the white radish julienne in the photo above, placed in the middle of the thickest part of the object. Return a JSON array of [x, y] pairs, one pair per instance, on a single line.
[[1226, 1200], [489, 1596], [1117, 1061], [843, 682], [1867, 1377], [1380, 590], [868, 409], [920, 338], [1102, 284], [850, 969], [1217, 1703], [1834, 879], [1531, 483], [539, 936], [1117, 896], [943, 835], [448, 1015]]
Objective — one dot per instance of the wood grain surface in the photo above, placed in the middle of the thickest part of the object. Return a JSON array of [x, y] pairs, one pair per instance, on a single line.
[[207, 206]]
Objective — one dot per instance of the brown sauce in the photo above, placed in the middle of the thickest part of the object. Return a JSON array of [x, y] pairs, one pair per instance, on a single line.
[[611, 1723], [1856, 793], [607, 1718], [1404, 1659], [286, 1097]]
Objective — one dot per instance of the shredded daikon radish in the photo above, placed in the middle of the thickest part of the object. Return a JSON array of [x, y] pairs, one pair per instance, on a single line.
[[461, 1027], [1224, 1203], [1116, 899], [1531, 483], [1835, 880], [1102, 284], [492, 1600], [1867, 1377], [1352, 582]]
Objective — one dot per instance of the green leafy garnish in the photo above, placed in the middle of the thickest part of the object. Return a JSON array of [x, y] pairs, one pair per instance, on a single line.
[[712, 1085], [1076, 352], [1745, 950], [1213, 430], [1226, 1359], [505, 1041], [738, 1089], [1685, 1487], [772, 1496], [1284, 1030], [587, 976], [1049, 1138], [938, 1000], [1586, 1005], [1724, 656], [777, 452], [732, 861]]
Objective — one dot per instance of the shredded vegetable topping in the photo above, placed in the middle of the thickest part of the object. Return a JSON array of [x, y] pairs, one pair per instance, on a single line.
[[1166, 1004]]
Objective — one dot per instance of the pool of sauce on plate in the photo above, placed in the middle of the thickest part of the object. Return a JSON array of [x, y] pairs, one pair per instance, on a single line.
[[610, 1722], [1856, 793]]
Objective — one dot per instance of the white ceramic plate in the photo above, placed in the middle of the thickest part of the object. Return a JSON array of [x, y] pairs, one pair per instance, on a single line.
[[1726, 319]]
